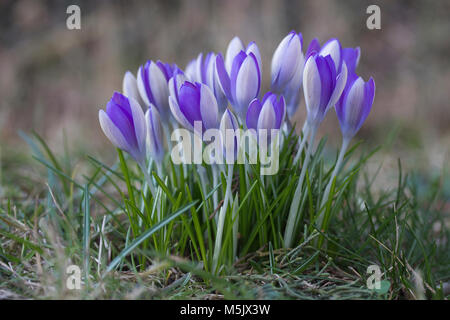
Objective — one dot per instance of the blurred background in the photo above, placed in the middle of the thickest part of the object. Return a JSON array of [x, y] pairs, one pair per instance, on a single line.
[[54, 80]]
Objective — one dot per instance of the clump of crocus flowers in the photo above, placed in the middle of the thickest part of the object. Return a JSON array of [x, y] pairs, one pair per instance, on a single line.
[[223, 92]]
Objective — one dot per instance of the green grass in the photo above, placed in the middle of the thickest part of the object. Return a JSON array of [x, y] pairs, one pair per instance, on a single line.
[[131, 245]]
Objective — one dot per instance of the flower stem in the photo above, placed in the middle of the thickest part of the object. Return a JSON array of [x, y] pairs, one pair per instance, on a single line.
[[235, 219], [146, 186], [147, 178], [345, 143], [292, 219], [301, 142], [221, 222], [215, 172]]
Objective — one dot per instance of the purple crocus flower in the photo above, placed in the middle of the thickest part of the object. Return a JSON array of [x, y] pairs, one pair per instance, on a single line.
[[234, 47], [155, 143], [287, 70], [355, 104], [124, 125], [322, 87], [339, 55], [268, 114], [195, 102], [202, 70], [152, 82], [242, 85]]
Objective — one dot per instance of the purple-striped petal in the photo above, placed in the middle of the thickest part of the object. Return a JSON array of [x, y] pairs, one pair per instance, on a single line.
[[208, 108], [314, 47], [189, 101], [178, 115], [112, 132], [248, 83], [351, 57], [267, 117], [253, 48], [158, 83], [144, 84], [253, 112], [341, 81], [224, 79], [154, 134], [312, 87], [280, 112], [138, 123], [333, 48], [234, 47], [236, 67], [130, 88], [369, 96]]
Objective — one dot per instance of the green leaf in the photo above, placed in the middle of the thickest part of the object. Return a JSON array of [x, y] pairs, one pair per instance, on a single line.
[[145, 235]]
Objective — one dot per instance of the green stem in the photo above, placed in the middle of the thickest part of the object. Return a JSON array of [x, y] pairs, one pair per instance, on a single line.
[[337, 167], [301, 142], [148, 178], [222, 214], [124, 168], [292, 219], [215, 172]]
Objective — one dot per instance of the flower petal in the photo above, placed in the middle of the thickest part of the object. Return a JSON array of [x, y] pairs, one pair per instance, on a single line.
[[267, 116], [139, 124], [312, 87], [333, 48], [159, 89], [178, 115], [277, 60], [130, 88], [253, 48], [236, 67], [154, 133], [253, 112], [234, 47], [222, 75], [208, 108], [314, 47], [280, 112], [341, 81], [144, 85], [247, 83], [112, 132]]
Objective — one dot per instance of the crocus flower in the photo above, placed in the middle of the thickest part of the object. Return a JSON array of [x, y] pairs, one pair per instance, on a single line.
[[155, 143], [268, 114], [234, 47], [242, 85], [339, 55], [195, 102], [124, 125], [322, 87], [152, 82], [202, 70], [355, 104], [287, 70], [352, 110]]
